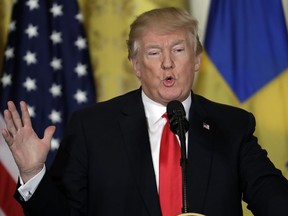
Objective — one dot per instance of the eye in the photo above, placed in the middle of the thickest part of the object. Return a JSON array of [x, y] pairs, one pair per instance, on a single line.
[[153, 52], [178, 49]]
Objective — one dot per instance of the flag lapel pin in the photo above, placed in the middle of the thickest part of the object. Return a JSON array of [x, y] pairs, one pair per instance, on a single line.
[[206, 126]]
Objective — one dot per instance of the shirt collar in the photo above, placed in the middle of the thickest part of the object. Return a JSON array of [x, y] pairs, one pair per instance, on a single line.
[[154, 110]]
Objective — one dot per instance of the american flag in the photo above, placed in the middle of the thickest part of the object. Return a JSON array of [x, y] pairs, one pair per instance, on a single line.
[[46, 64]]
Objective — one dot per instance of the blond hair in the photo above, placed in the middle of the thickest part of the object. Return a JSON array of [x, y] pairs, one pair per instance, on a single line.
[[165, 20]]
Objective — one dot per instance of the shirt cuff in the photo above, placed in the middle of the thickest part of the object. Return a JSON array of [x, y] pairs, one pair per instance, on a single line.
[[27, 190]]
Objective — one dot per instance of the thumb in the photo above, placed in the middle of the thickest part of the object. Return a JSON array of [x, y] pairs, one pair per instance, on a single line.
[[48, 134]]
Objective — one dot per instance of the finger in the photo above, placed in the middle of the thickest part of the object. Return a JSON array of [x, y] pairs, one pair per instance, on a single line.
[[26, 120], [15, 115], [48, 134], [9, 122], [7, 137]]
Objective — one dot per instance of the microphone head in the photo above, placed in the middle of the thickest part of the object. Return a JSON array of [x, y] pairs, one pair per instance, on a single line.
[[173, 107], [177, 117]]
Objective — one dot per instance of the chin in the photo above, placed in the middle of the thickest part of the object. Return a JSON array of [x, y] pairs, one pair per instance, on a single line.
[[169, 98]]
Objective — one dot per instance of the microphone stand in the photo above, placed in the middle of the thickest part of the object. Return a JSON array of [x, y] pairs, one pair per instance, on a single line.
[[179, 125], [183, 162]]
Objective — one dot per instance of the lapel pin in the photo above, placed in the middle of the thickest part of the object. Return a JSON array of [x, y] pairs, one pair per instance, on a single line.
[[206, 126]]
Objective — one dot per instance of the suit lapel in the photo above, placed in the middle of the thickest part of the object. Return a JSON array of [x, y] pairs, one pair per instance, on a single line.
[[199, 156], [200, 153], [134, 128]]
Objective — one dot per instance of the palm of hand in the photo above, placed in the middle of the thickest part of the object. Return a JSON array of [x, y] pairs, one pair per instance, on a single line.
[[28, 150]]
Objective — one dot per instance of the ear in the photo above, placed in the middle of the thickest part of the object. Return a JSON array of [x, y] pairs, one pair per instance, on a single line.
[[197, 62], [135, 64]]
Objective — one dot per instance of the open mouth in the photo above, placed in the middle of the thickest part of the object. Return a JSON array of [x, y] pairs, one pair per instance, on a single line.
[[169, 78], [169, 81]]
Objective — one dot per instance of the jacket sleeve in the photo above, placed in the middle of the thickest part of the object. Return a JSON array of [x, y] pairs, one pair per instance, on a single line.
[[63, 189], [264, 187]]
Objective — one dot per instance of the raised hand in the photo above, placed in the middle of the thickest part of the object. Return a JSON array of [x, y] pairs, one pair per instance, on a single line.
[[29, 151]]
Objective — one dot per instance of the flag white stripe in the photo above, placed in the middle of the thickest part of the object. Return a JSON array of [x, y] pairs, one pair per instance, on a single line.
[[2, 213], [6, 157]]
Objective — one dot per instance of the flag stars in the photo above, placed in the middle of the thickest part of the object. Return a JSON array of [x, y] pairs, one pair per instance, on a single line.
[[55, 117], [6, 80], [12, 26], [80, 96], [55, 143], [55, 90], [9, 53], [32, 31], [30, 58], [30, 84], [81, 43], [31, 110], [79, 17], [41, 71], [32, 4], [81, 70], [56, 37], [56, 10], [56, 64]]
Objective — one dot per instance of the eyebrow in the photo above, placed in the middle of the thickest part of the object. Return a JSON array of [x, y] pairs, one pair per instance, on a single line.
[[178, 42], [156, 46]]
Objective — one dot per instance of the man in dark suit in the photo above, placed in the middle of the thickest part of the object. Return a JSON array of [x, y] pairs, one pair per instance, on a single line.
[[108, 162]]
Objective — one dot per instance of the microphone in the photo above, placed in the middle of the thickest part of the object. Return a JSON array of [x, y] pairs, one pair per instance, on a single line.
[[179, 125], [177, 117]]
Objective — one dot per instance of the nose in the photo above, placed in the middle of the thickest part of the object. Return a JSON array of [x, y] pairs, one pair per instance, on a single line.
[[167, 62]]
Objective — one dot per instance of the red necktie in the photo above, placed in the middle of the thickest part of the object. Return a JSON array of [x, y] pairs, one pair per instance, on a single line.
[[170, 177]]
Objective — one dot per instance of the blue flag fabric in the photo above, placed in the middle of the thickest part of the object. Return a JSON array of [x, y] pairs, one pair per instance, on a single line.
[[247, 42], [246, 65], [47, 64]]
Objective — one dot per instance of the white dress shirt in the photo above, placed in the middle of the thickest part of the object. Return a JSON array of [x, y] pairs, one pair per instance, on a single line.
[[26, 190], [156, 123]]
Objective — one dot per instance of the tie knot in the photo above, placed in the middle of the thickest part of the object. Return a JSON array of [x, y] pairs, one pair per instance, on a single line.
[[165, 115]]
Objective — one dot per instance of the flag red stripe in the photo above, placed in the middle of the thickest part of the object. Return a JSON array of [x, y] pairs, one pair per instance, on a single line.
[[7, 187]]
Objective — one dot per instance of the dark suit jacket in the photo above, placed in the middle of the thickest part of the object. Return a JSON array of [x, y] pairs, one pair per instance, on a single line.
[[104, 165]]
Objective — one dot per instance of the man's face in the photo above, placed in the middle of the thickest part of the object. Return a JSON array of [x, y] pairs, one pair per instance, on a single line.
[[165, 65]]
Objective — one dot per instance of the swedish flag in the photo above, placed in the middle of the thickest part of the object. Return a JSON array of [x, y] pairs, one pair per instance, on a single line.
[[246, 65]]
